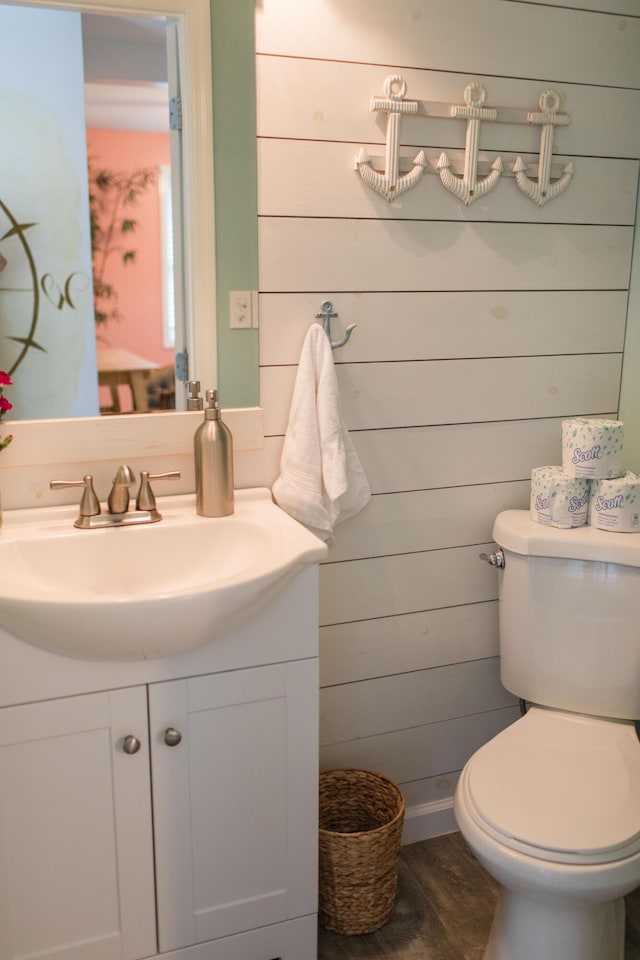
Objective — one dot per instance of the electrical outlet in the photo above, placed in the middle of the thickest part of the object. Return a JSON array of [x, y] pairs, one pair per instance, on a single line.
[[240, 310]]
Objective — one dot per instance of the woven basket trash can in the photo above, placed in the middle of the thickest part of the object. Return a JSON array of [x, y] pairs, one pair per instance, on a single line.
[[361, 818]]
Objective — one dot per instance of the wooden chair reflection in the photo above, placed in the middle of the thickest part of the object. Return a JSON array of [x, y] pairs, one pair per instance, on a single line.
[[118, 366], [161, 389]]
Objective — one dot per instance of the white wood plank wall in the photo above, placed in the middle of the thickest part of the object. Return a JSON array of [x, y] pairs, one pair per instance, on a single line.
[[479, 329]]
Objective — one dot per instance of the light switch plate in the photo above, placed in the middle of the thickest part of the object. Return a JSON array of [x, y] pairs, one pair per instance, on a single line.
[[240, 312]]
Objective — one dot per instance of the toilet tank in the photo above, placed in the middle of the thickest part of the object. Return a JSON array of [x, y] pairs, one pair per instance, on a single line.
[[569, 613]]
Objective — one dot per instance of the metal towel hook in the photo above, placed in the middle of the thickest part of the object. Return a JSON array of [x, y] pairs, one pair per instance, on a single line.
[[327, 315]]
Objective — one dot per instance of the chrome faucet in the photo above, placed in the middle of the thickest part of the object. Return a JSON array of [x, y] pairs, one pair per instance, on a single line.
[[118, 501], [90, 516]]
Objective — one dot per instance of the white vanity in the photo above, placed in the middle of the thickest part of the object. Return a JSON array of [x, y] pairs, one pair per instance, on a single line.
[[165, 806]]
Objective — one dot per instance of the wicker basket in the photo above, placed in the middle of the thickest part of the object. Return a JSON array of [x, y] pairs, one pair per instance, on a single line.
[[361, 817]]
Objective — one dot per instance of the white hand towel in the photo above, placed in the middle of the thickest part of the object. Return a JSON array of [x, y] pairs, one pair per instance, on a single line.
[[321, 479]]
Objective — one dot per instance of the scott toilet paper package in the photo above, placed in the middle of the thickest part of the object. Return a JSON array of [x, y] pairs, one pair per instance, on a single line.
[[592, 448], [558, 500], [615, 504]]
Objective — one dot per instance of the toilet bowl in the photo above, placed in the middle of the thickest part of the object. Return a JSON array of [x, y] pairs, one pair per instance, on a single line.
[[551, 808]]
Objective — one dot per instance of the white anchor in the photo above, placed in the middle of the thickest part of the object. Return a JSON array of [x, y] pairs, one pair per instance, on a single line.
[[468, 187], [542, 189], [388, 184]]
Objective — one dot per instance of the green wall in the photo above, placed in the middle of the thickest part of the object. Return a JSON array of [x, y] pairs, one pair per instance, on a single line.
[[235, 170]]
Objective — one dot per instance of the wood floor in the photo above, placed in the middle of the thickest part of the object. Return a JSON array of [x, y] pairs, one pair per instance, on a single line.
[[443, 911]]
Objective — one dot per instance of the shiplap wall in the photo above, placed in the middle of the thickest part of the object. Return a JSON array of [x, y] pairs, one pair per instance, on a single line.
[[478, 329]]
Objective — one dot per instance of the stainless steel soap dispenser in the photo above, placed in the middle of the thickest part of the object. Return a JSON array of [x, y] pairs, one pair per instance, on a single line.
[[213, 450]]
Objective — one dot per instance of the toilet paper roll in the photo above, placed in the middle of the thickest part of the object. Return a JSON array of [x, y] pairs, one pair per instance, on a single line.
[[615, 504], [592, 448], [558, 500]]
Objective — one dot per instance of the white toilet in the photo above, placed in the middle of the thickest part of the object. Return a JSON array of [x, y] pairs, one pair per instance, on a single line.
[[551, 806]]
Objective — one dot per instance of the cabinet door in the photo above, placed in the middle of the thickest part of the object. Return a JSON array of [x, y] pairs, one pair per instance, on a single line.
[[235, 802], [76, 858]]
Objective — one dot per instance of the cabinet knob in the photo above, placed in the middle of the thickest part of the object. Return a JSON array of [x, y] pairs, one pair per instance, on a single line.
[[131, 744], [172, 737]]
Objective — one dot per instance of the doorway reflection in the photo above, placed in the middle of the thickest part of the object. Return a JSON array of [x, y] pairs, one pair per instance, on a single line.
[[129, 152]]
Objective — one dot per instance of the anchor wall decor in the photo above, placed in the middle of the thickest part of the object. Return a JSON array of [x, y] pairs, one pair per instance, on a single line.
[[327, 315], [542, 190], [389, 184], [539, 182], [467, 187]]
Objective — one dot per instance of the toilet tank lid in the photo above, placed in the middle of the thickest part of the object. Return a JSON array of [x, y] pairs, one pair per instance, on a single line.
[[514, 530]]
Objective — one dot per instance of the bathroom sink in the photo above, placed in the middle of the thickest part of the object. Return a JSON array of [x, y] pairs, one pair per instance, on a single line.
[[143, 592]]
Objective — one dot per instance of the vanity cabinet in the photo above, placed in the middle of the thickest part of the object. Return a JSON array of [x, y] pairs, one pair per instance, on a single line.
[[153, 818], [235, 801], [76, 851]]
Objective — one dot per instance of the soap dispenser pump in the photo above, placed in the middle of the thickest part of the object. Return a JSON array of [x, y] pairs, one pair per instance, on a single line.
[[194, 400], [213, 451]]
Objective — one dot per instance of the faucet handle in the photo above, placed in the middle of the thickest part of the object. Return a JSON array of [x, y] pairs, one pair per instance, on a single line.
[[146, 499], [89, 503]]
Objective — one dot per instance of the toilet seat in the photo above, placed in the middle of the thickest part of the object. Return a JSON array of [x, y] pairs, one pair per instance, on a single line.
[[559, 787]]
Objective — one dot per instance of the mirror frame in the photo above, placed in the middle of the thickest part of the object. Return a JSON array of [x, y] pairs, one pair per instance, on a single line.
[[193, 17]]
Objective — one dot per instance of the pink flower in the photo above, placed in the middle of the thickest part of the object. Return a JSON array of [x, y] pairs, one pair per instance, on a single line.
[[5, 380]]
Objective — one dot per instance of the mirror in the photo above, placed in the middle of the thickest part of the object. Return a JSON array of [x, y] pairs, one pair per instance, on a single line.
[[238, 270]]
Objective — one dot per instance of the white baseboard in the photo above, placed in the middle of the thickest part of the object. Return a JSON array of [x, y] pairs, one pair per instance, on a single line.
[[424, 820]]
